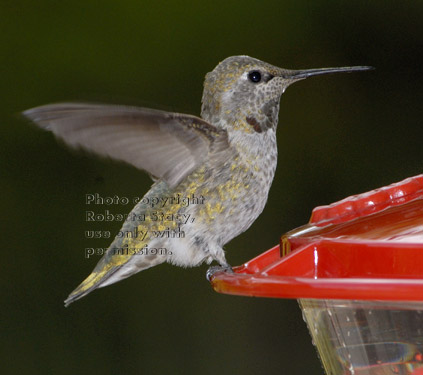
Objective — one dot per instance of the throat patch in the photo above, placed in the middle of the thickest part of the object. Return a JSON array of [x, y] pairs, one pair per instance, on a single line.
[[254, 124]]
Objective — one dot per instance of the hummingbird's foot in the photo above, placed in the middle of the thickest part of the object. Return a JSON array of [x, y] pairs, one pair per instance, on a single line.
[[212, 270]]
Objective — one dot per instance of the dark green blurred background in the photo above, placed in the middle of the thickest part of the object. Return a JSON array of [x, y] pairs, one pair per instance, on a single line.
[[338, 135]]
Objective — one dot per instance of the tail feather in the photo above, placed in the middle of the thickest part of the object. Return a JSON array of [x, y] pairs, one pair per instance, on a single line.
[[111, 270], [92, 282]]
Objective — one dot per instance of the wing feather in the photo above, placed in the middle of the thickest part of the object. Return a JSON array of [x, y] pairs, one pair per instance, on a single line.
[[167, 145]]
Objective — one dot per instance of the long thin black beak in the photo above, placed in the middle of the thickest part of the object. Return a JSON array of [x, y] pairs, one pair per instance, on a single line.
[[301, 74]]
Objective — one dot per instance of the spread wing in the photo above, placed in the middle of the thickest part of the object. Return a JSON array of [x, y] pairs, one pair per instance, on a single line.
[[168, 145]]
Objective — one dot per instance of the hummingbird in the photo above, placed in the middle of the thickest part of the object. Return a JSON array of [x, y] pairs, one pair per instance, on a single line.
[[216, 170]]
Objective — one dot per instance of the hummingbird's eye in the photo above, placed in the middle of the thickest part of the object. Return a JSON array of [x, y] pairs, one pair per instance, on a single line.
[[254, 76]]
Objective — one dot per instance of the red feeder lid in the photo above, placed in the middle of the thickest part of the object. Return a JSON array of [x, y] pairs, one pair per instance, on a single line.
[[366, 247]]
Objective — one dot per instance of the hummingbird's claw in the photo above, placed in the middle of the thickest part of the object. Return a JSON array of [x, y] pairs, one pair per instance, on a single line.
[[212, 270]]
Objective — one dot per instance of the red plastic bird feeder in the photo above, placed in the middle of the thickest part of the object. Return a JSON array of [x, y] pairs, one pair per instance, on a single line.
[[357, 271]]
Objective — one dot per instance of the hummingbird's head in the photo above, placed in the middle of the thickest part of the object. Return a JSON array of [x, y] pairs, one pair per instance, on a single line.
[[243, 93]]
